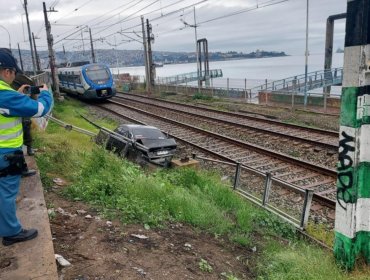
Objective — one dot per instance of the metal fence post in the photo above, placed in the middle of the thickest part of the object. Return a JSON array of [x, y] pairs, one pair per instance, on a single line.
[[266, 193], [228, 85], [306, 208], [212, 87], [292, 99], [245, 90], [237, 176]]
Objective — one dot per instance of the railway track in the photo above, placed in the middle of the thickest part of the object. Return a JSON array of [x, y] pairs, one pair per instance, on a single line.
[[319, 137], [271, 136], [287, 169]]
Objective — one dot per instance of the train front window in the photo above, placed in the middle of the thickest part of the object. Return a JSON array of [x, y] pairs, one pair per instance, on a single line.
[[97, 74]]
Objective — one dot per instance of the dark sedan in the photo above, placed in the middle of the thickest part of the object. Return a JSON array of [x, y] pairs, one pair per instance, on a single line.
[[142, 144]]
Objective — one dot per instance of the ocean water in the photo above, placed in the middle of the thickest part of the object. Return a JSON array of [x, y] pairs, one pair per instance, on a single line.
[[256, 71]]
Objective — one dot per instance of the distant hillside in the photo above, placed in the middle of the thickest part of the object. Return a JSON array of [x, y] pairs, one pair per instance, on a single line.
[[123, 58]]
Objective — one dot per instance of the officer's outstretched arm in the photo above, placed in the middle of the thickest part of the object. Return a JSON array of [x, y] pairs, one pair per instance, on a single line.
[[13, 103]]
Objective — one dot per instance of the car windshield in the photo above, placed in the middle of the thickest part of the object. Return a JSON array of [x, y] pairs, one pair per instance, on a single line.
[[97, 73], [148, 133]]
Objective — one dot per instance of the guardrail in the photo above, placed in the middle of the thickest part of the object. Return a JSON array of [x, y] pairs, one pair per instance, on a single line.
[[265, 200]]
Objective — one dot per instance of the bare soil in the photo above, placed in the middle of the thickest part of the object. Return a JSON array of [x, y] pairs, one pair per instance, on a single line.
[[98, 249]]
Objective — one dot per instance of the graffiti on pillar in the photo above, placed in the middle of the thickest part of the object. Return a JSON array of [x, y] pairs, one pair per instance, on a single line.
[[345, 171]]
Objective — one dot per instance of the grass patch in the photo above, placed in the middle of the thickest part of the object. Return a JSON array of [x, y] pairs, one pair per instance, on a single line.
[[201, 96], [120, 188]]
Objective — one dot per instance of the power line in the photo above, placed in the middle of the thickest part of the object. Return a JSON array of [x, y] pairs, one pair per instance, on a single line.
[[74, 10], [258, 6]]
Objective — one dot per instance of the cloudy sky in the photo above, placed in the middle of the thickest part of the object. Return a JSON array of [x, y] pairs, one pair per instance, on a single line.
[[228, 25]]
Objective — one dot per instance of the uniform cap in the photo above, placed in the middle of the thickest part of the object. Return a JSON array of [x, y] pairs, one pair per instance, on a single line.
[[7, 61]]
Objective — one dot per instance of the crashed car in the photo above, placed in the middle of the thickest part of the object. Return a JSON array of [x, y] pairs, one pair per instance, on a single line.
[[142, 144]]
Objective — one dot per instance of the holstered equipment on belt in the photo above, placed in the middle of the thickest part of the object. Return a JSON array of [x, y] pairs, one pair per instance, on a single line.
[[17, 164]]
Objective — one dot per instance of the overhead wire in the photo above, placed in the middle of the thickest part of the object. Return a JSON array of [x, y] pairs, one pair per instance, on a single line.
[[126, 19]]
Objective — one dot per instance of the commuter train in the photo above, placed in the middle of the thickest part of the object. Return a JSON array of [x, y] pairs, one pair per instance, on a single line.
[[87, 81]]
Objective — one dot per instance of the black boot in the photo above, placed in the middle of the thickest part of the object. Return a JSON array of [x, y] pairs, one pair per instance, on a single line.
[[28, 172], [30, 151], [24, 235]]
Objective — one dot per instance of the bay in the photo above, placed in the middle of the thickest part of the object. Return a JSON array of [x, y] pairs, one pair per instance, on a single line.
[[256, 71]]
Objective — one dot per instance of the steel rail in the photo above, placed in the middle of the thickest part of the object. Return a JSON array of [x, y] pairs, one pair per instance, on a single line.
[[244, 126], [235, 114]]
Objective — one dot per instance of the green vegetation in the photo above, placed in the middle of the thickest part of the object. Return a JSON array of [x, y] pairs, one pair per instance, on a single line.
[[205, 266], [121, 189], [202, 96]]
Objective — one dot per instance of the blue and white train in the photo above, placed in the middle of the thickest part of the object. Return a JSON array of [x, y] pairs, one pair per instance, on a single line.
[[88, 81]]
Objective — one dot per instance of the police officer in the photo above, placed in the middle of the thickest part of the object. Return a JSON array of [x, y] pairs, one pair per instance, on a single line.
[[13, 106]]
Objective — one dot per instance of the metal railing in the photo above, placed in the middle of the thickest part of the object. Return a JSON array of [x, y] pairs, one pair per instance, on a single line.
[[315, 80], [264, 201], [190, 77]]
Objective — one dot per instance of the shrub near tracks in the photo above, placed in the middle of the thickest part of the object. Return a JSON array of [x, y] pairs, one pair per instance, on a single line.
[[122, 189]]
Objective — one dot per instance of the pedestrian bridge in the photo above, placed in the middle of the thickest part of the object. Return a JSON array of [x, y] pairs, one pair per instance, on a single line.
[[296, 84], [189, 77]]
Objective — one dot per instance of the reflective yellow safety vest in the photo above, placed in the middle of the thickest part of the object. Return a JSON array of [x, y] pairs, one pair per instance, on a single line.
[[11, 130]]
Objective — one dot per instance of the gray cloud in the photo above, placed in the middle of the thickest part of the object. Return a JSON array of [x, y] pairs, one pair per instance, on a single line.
[[280, 27]]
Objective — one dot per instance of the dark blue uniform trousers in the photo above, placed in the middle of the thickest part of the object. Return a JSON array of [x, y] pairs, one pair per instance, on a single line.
[[9, 187]]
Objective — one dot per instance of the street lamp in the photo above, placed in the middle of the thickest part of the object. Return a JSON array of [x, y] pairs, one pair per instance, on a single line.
[[10, 46]]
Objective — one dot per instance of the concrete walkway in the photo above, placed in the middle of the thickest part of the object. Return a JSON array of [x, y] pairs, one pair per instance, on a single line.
[[33, 259]]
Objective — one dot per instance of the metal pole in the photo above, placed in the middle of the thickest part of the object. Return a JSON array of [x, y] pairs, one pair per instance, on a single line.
[[245, 90], [29, 38], [266, 193], [36, 54], [237, 176], [196, 49], [150, 56], [306, 60], [92, 48], [53, 69], [20, 57], [145, 55], [306, 208]]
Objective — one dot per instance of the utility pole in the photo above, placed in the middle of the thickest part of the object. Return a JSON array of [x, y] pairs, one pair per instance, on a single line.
[[92, 47], [352, 211], [54, 76], [150, 38], [36, 54], [83, 44], [145, 56], [20, 57], [306, 60], [29, 38]]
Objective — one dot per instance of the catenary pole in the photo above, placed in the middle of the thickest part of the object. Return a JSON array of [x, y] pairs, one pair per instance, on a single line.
[[36, 54], [49, 37], [150, 56], [145, 55], [92, 48], [20, 57], [352, 223], [29, 38]]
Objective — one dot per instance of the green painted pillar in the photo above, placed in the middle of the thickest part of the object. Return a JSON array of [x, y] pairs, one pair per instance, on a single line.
[[352, 223]]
